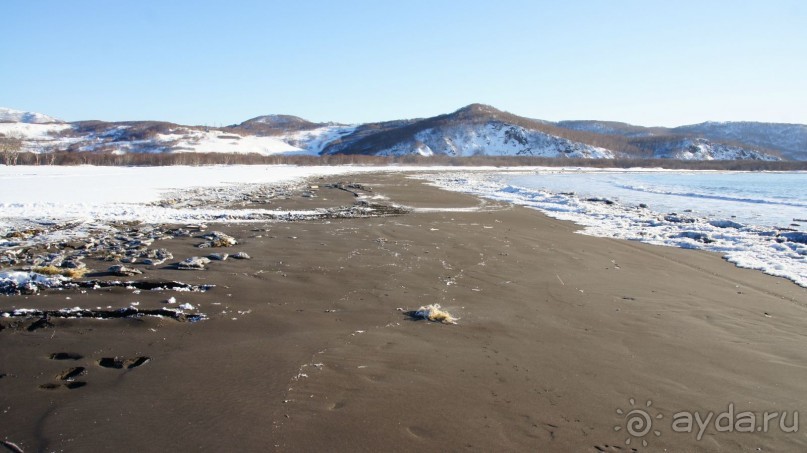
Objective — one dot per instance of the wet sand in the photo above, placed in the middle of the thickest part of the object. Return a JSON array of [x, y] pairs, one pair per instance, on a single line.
[[308, 348]]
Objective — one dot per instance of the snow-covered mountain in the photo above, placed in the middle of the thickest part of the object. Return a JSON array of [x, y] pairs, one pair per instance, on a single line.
[[144, 137], [470, 131], [19, 116], [494, 138], [294, 131], [483, 130], [275, 125], [789, 139], [703, 149]]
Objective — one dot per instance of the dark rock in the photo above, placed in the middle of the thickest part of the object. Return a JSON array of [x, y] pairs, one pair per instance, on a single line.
[[73, 264], [675, 218], [123, 271], [795, 236], [696, 236], [218, 239], [27, 289], [154, 257], [180, 232]]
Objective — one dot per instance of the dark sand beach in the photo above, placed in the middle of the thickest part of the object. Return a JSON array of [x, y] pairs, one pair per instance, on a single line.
[[307, 346]]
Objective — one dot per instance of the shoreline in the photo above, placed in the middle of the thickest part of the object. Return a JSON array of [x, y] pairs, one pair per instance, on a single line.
[[305, 346], [747, 245]]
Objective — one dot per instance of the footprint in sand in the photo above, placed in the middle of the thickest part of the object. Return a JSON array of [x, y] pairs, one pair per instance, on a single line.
[[336, 406], [71, 373], [66, 378], [69, 385], [119, 362], [66, 356], [616, 448]]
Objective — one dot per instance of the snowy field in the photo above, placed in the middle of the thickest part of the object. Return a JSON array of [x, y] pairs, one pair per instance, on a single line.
[[46, 194], [55, 190]]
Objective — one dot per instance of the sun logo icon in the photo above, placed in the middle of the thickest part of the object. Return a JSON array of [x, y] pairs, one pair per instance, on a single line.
[[638, 422]]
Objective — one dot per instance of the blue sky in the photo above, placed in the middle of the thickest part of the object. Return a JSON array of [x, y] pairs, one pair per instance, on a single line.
[[213, 62]]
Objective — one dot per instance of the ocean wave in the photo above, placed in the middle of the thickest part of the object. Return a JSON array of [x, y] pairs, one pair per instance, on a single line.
[[708, 196]]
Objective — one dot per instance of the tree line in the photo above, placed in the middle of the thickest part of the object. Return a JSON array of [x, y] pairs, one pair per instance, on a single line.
[[13, 156]]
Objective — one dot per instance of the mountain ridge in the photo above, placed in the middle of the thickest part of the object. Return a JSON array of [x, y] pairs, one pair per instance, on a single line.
[[475, 129], [8, 115]]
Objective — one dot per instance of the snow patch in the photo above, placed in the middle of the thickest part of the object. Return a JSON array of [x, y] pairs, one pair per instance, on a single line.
[[216, 141], [18, 116], [315, 140]]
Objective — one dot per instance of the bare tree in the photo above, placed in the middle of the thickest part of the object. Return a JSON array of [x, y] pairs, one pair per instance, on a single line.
[[10, 147]]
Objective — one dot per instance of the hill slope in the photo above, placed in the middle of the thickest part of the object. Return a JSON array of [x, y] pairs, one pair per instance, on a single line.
[[19, 116], [483, 130], [789, 139], [473, 130]]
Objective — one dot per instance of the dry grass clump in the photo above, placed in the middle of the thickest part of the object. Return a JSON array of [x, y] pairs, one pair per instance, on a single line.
[[433, 312], [112, 257], [48, 270], [23, 234], [53, 270]]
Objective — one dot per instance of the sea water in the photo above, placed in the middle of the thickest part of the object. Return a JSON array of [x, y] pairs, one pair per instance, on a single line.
[[755, 220], [763, 199]]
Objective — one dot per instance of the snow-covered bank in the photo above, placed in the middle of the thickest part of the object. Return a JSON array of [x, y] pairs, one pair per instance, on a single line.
[[90, 194], [781, 253], [36, 186]]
